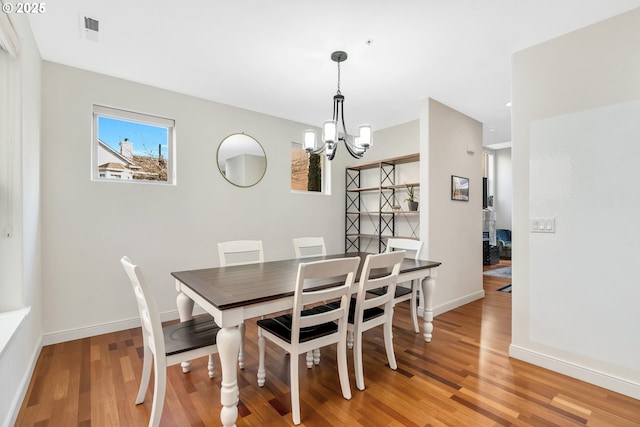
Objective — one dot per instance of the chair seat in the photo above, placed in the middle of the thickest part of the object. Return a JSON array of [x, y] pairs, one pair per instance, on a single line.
[[191, 334], [400, 291], [281, 326], [368, 314]]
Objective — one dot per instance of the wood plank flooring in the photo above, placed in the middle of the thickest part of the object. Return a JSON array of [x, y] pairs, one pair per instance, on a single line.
[[463, 378]]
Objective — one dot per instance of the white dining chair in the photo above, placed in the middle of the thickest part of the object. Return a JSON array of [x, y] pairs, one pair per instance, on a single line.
[[310, 325], [306, 247], [367, 311], [169, 345], [240, 252], [412, 249]]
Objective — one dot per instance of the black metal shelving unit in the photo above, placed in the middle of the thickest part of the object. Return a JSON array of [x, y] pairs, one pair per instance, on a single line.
[[383, 217]]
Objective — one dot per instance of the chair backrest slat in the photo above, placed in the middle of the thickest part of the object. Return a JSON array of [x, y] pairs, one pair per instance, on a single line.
[[306, 247], [408, 245], [240, 252]]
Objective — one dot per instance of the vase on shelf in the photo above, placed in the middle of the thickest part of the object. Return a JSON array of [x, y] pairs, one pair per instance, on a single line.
[[413, 206]]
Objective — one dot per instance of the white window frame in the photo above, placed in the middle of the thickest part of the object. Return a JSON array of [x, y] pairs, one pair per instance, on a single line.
[[131, 116], [326, 173]]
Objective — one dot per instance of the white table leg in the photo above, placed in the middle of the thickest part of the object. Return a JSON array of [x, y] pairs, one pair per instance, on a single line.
[[228, 350], [428, 288], [185, 310], [185, 307]]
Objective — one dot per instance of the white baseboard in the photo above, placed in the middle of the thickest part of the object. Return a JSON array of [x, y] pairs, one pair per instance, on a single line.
[[120, 325], [601, 379], [105, 328], [21, 392], [450, 305]]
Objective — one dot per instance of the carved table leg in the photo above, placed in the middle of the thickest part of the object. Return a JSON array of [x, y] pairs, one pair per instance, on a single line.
[[428, 288], [185, 310], [228, 350]]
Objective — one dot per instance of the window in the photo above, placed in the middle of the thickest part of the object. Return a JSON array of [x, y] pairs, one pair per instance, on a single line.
[[131, 146], [307, 170]]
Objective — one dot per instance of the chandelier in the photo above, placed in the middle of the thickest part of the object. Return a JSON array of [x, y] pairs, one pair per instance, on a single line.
[[357, 145]]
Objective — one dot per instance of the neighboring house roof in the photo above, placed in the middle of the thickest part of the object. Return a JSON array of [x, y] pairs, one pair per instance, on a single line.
[[125, 161], [142, 167], [112, 165]]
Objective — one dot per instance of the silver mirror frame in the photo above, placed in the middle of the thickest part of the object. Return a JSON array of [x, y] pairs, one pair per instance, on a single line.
[[225, 153]]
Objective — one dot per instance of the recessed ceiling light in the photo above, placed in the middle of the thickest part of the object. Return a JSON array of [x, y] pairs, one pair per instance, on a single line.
[[508, 104]]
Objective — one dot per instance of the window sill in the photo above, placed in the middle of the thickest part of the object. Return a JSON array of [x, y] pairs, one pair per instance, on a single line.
[[9, 323]]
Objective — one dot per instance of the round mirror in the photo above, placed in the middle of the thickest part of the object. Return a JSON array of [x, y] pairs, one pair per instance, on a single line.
[[241, 160]]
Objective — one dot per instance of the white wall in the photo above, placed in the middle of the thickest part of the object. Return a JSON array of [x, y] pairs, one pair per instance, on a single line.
[[503, 197], [395, 141], [20, 264], [451, 229], [88, 226], [576, 102]]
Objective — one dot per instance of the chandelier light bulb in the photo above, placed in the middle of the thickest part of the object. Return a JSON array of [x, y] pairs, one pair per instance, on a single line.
[[309, 140], [330, 132]]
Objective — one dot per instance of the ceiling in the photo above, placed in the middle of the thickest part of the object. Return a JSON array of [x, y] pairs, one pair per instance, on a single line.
[[274, 56]]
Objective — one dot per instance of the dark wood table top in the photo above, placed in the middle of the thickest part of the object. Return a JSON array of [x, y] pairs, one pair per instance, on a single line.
[[242, 285]]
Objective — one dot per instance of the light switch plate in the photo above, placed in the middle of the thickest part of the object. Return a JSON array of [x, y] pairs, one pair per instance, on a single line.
[[543, 225]]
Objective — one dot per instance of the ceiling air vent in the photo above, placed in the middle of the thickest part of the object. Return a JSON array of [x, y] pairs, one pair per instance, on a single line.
[[89, 27], [91, 24]]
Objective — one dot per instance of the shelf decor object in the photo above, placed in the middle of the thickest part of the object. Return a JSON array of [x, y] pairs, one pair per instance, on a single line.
[[459, 188], [357, 145], [412, 203]]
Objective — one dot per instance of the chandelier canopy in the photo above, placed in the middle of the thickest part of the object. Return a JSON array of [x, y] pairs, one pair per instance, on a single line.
[[357, 145]]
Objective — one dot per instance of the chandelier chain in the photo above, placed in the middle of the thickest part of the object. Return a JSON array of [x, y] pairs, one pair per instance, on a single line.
[[339, 93]]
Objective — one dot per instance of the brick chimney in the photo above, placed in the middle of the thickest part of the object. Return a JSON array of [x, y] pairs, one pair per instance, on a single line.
[[126, 149]]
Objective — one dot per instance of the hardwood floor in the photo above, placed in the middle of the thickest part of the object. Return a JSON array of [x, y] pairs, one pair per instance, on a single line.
[[463, 378]]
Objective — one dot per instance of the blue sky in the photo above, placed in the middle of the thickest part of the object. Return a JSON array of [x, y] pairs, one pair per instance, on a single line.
[[145, 138]]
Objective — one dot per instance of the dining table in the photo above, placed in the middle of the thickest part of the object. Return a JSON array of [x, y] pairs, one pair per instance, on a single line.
[[232, 294]]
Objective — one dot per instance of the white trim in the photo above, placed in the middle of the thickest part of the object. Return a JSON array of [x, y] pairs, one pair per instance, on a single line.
[[10, 321], [601, 379], [106, 328], [451, 305], [18, 398], [9, 39], [131, 116]]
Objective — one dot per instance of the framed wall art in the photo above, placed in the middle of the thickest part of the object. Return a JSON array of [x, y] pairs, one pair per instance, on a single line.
[[459, 188]]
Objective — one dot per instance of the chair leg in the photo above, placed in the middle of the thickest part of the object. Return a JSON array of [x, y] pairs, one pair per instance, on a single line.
[[357, 361], [146, 375], [261, 350], [211, 366], [414, 305], [186, 366], [160, 388], [316, 356], [241, 353], [350, 339], [309, 359], [295, 388], [388, 344], [343, 371]]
